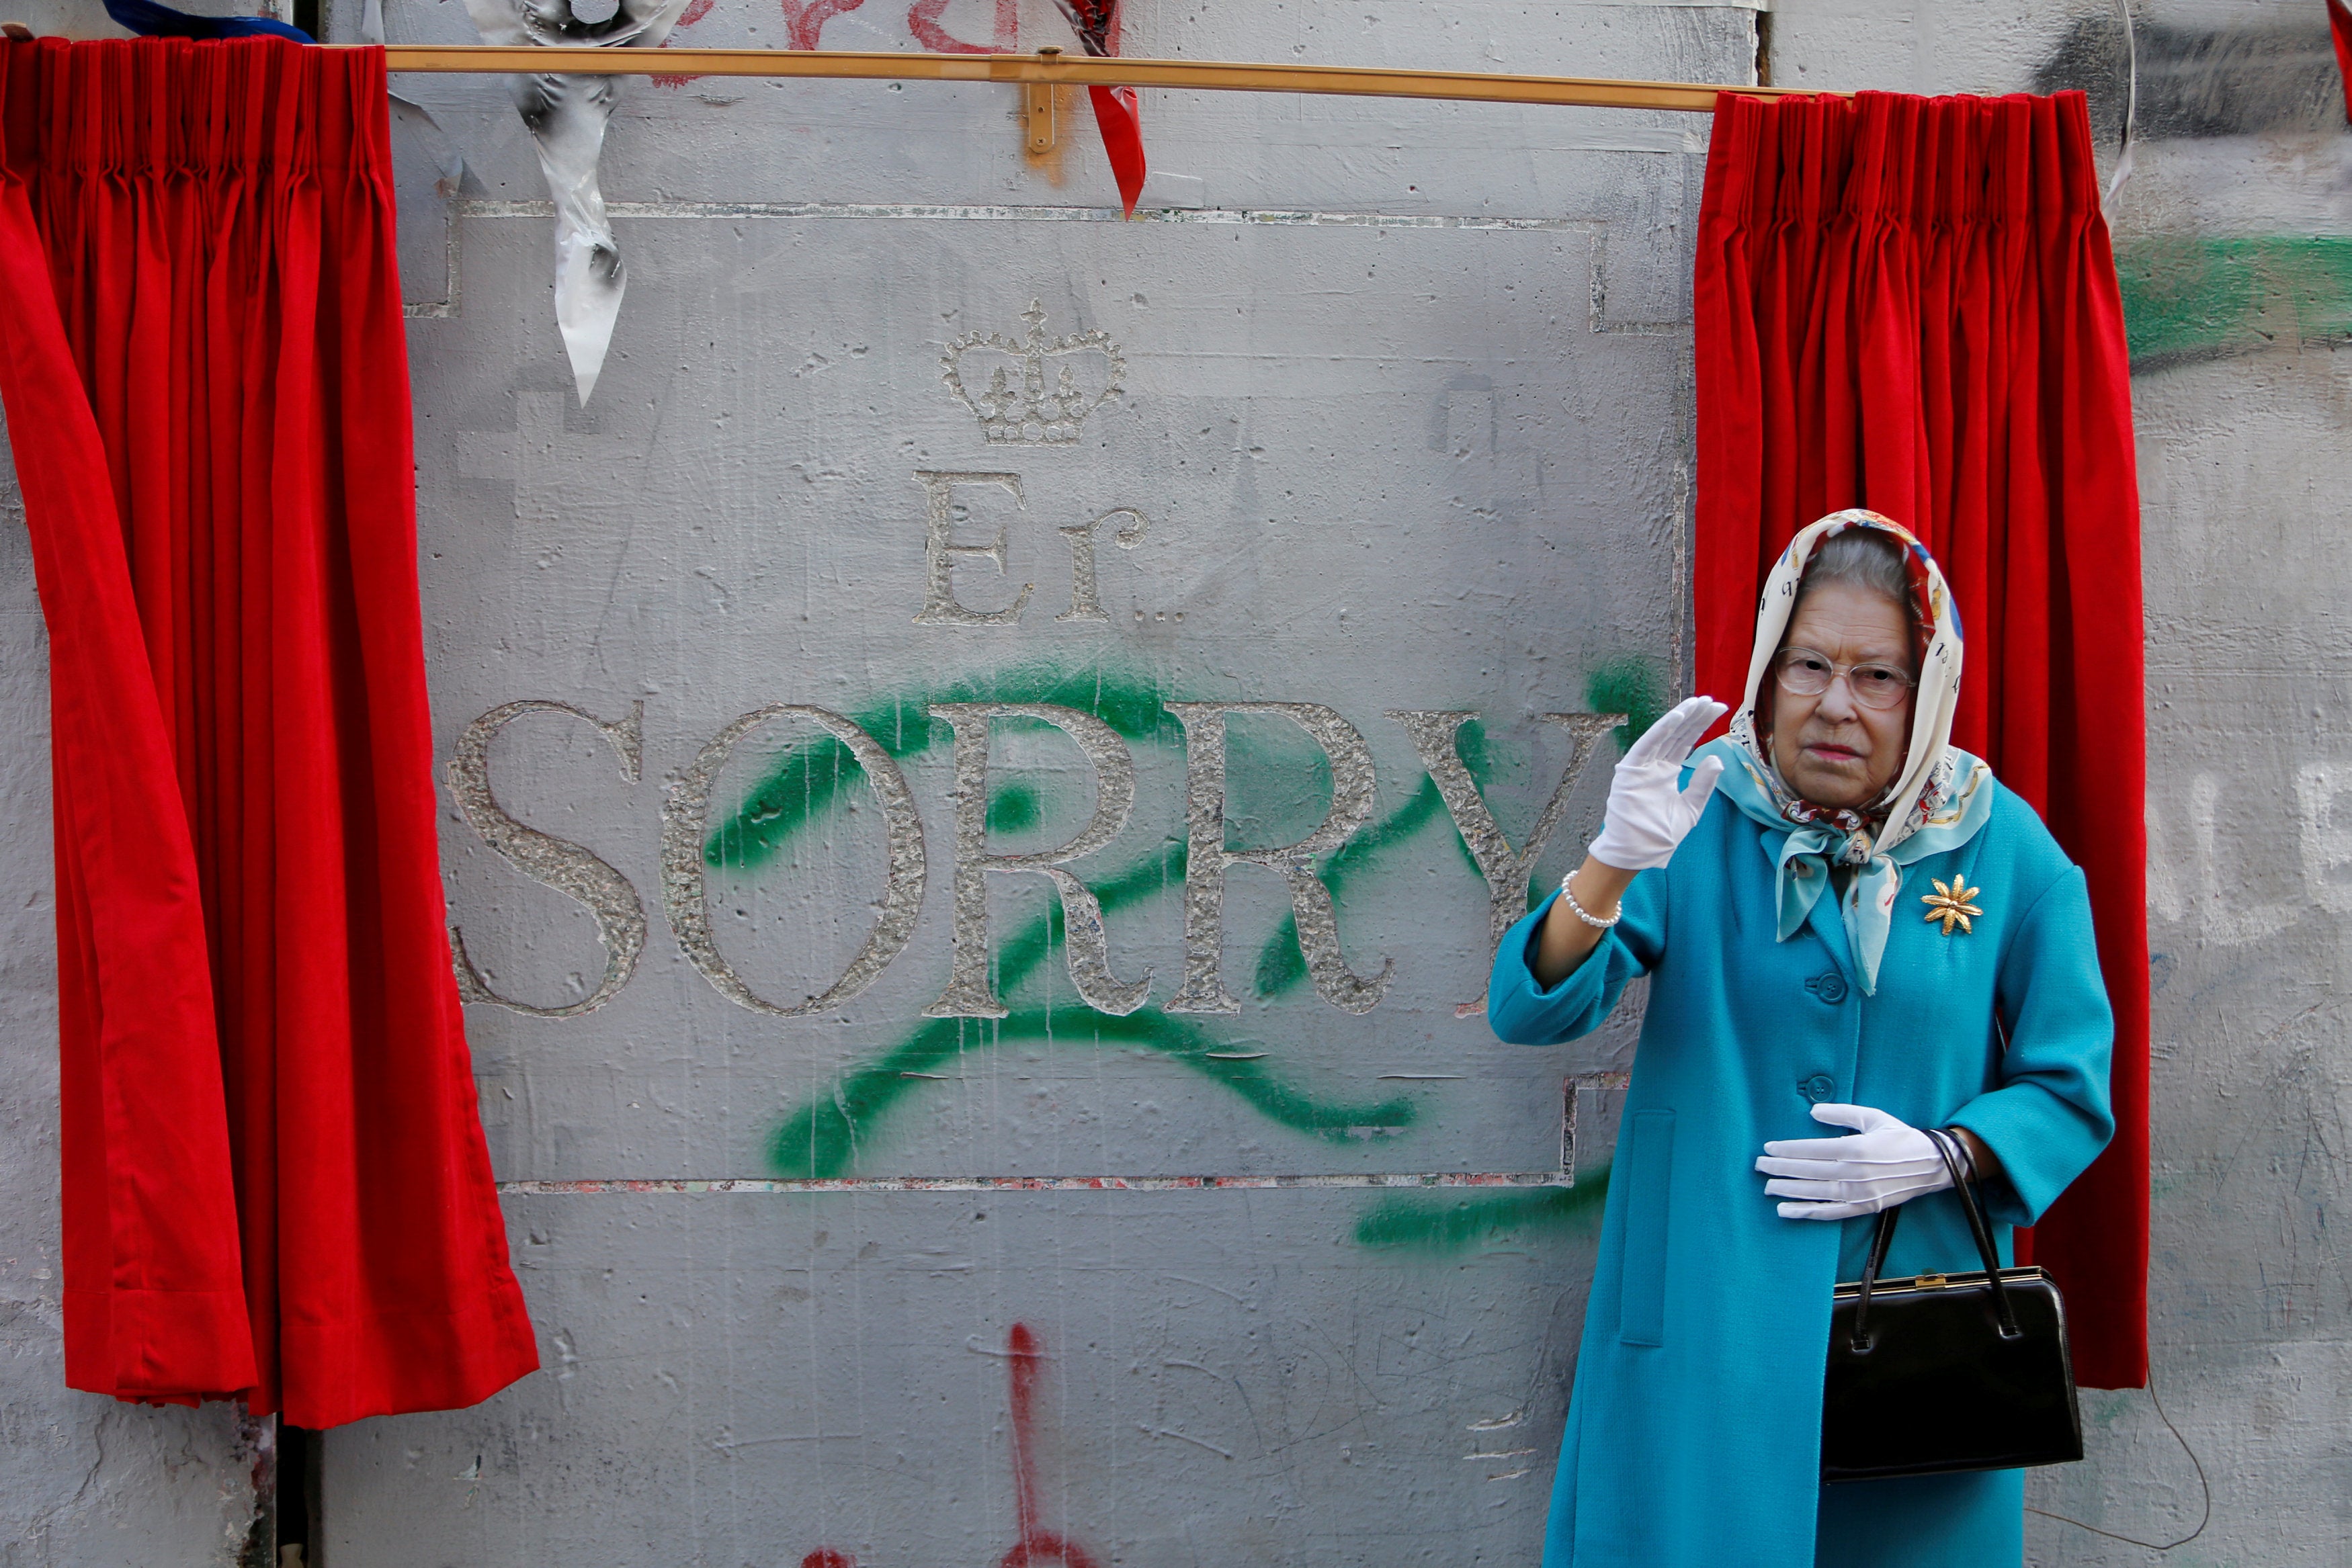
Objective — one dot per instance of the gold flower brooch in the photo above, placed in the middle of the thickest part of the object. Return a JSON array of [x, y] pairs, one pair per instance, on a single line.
[[1949, 904]]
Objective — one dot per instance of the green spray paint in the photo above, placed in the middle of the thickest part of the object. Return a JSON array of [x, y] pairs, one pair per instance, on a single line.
[[1279, 964], [1451, 1226], [807, 780], [1015, 809], [1628, 685], [822, 1137], [2189, 298]]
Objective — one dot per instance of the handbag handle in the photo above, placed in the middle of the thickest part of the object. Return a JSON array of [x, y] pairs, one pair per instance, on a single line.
[[1963, 1184], [1880, 1241]]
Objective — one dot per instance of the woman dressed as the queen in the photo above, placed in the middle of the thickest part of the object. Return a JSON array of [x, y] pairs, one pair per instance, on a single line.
[[1856, 936]]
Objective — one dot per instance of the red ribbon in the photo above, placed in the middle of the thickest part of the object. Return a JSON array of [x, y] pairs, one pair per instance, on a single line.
[[1118, 114]]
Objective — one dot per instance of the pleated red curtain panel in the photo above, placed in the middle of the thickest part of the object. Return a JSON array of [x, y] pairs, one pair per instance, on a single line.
[[1909, 305], [274, 1180]]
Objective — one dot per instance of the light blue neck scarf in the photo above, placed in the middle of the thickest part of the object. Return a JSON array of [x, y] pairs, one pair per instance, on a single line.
[[1958, 800], [1939, 800]]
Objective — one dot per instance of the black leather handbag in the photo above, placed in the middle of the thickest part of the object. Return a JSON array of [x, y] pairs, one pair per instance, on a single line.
[[1946, 1372]]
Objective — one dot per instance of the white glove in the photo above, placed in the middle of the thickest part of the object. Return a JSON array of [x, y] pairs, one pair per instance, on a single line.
[[1883, 1163], [1649, 811]]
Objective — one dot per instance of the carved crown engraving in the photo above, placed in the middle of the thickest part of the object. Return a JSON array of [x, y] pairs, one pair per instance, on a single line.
[[1038, 391]]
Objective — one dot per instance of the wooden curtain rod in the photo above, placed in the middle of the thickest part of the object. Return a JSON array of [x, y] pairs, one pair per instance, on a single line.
[[1074, 71]]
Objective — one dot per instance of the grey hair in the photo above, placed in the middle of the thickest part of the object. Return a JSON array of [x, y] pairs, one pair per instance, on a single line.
[[1864, 559]]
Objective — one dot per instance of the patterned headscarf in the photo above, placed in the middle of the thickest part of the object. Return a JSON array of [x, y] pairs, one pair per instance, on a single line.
[[1936, 802]]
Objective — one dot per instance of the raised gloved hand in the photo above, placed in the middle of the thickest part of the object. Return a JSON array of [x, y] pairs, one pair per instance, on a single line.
[[1885, 1163], [1649, 808]]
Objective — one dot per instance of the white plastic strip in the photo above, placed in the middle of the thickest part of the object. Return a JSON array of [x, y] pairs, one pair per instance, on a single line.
[[567, 116]]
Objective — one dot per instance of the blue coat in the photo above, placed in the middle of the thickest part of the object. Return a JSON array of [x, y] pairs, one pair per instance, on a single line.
[[1694, 1431]]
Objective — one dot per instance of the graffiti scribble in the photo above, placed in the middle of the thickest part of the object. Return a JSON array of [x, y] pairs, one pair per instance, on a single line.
[[823, 1137], [803, 23], [923, 19], [1034, 1544], [1025, 1362], [1468, 1223], [1279, 964], [2190, 299], [696, 10], [2200, 82], [805, 781]]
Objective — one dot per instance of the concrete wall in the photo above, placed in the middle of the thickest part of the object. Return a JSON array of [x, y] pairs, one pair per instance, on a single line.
[[1400, 424]]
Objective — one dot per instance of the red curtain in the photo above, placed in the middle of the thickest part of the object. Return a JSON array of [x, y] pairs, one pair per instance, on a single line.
[[1908, 304], [275, 1182]]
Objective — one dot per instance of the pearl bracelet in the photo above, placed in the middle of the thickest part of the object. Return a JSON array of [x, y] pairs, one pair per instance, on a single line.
[[1581, 914]]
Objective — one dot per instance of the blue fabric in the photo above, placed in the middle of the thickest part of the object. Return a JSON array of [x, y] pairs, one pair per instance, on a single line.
[[1924, 1521], [1695, 1419], [150, 20]]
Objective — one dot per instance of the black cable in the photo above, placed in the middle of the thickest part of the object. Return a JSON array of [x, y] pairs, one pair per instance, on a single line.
[[2202, 1486]]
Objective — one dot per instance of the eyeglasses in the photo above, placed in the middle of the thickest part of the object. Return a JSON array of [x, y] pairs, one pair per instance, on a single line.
[[1805, 674]]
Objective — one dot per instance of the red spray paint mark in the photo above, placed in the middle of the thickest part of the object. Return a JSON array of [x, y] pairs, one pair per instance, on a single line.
[[694, 12], [1025, 1361], [805, 22], [923, 21]]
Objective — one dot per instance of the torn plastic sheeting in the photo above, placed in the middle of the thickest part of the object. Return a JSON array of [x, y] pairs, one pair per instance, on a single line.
[[1119, 110], [567, 116]]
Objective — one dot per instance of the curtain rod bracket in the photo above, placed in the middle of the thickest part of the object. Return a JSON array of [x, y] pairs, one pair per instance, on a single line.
[[1037, 108]]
